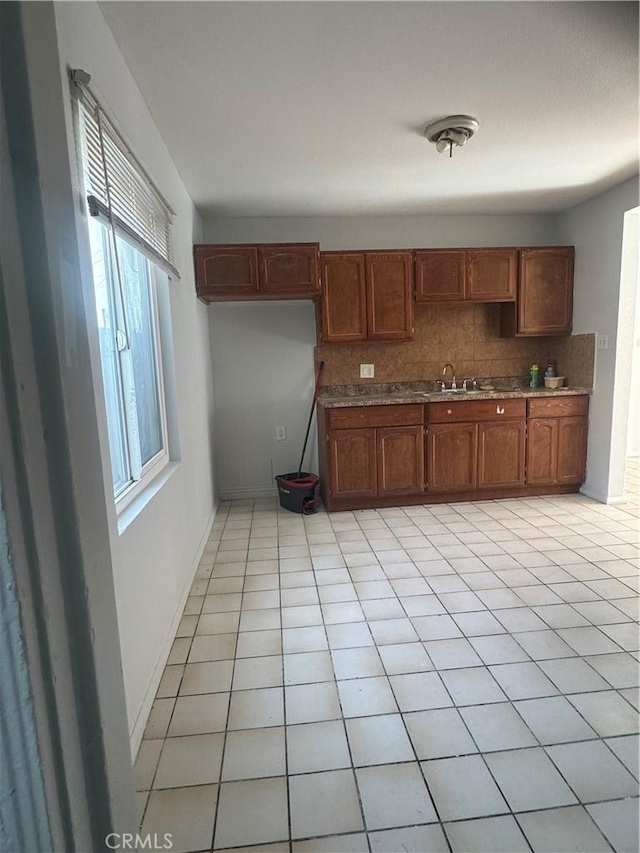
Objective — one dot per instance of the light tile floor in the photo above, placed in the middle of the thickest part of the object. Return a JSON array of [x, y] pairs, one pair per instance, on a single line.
[[455, 677]]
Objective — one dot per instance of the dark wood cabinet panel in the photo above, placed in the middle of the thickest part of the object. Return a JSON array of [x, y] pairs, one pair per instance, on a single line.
[[389, 296], [557, 443], [544, 303], [344, 310], [351, 457], [366, 296], [451, 457], [226, 271], [266, 271], [501, 454], [558, 407], [542, 451], [400, 460], [357, 417], [491, 275], [375, 455], [476, 410], [572, 450], [440, 275], [289, 269]]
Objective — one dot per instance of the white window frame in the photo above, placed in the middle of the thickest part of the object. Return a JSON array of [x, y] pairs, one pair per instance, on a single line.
[[140, 475]]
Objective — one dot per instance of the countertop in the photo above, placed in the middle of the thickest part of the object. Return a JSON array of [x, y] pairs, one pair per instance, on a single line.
[[399, 397]]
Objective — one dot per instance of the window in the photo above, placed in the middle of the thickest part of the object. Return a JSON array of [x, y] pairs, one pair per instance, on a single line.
[[131, 254], [125, 283]]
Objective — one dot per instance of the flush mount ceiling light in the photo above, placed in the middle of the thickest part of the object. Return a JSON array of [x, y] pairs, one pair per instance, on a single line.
[[450, 131]]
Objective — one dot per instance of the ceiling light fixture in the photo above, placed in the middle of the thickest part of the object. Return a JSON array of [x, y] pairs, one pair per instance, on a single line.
[[450, 131]]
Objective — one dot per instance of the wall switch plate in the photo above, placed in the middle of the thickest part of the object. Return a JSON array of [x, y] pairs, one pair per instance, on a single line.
[[366, 371], [603, 341], [281, 433]]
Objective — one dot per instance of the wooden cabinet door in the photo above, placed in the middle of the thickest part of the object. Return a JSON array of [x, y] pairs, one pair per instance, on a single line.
[[351, 455], [542, 451], [492, 275], [289, 269], [344, 313], [389, 280], [572, 450], [501, 454], [452, 457], [545, 291], [400, 460], [440, 275], [226, 271]]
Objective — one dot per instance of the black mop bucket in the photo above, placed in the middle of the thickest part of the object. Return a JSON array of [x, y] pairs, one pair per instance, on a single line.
[[297, 491]]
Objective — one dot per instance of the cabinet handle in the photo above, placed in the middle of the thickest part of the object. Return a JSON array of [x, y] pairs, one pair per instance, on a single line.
[[499, 411], [449, 412]]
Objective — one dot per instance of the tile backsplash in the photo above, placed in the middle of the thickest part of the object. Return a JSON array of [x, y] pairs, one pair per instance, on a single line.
[[467, 336]]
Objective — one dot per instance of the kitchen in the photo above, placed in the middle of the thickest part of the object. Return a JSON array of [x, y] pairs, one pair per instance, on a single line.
[[231, 153], [531, 294]]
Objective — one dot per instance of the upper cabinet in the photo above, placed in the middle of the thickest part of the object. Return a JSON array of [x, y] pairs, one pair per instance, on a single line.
[[472, 275], [544, 303], [344, 297], [492, 275], [367, 296], [267, 271], [440, 275]]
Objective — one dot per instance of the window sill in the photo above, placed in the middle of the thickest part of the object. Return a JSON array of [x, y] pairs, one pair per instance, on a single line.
[[140, 502]]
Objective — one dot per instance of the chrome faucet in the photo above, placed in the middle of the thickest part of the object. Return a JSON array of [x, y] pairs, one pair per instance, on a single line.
[[453, 377]]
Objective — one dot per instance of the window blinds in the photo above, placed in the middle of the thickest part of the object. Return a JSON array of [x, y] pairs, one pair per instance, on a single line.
[[119, 189]]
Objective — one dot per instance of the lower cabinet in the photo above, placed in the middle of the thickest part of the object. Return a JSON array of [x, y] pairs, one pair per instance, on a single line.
[[451, 457], [572, 450], [501, 454], [373, 451], [557, 450], [400, 460], [557, 441], [351, 458], [377, 455]]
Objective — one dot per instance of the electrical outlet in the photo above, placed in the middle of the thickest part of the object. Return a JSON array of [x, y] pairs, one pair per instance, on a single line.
[[366, 371], [281, 433], [603, 341]]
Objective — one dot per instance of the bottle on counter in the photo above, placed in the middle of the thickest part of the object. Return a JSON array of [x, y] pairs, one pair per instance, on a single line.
[[534, 376], [551, 368]]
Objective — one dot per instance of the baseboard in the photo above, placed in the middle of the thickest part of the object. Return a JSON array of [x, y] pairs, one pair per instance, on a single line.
[[247, 494], [135, 736], [603, 499]]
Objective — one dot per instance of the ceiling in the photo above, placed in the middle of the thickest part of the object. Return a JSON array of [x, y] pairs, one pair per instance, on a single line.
[[318, 108]]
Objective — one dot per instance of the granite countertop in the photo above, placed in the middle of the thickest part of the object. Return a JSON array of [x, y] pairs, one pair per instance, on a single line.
[[395, 397]]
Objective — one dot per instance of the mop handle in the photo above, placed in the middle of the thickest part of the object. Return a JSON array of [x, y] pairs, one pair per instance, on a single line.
[[313, 405]]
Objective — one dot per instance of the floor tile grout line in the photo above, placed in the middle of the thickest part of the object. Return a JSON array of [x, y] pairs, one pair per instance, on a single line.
[[466, 636], [348, 742], [225, 732], [284, 714]]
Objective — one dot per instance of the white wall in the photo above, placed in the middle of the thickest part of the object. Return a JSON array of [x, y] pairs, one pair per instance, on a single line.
[[154, 557], [262, 353], [633, 424], [262, 358], [387, 232], [596, 228]]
